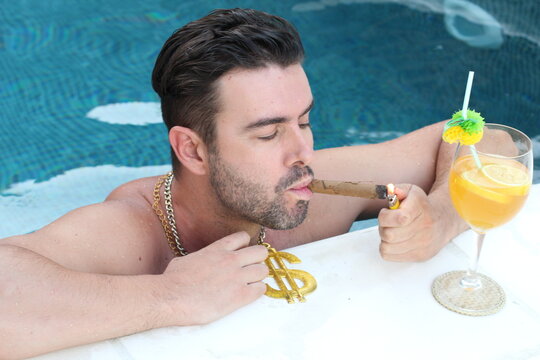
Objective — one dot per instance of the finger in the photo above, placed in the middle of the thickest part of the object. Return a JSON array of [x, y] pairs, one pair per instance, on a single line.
[[254, 291], [254, 273], [232, 242], [402, 191], [405, 257], [412, 203], [409, 210], [397, 218], [395, 235], [416, 254], [252, 254], [401, 233], [396, 248]]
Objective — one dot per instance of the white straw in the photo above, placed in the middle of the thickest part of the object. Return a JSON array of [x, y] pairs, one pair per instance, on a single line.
[[464, 114], [476, 157], [467, 95]]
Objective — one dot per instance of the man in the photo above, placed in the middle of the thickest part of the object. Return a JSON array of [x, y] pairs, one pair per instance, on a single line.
[[236, 101]]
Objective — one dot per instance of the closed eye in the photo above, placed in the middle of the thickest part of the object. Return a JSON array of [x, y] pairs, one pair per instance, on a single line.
[[306, 125], [269, 137]]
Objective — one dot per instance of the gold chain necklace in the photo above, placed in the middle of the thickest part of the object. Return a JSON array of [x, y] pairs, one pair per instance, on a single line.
[[174, 241], [169, 223], [281, 273], [170, 213]]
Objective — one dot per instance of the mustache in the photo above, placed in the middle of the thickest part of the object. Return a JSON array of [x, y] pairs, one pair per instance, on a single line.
[[296, 173]]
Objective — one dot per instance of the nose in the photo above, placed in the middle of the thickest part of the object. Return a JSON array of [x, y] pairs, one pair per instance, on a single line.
[[299, 147]]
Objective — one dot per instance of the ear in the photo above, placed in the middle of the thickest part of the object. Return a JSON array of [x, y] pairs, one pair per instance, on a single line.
[[189, 148]]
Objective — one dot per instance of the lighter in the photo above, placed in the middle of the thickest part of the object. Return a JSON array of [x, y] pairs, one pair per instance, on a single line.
[[393, 201]]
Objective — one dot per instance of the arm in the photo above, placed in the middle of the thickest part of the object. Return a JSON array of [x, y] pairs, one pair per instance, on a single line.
[[60, 287], [47, 307], [423, 224], [418, 158]]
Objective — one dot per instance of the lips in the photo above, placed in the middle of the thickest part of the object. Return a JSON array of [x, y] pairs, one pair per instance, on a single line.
[[301, 185], [301, 190]]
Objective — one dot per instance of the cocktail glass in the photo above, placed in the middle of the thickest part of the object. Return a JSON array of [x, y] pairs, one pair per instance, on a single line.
[[488, 185]]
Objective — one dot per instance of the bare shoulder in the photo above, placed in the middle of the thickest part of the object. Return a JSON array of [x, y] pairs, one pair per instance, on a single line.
[[138, 191], [121, 235]]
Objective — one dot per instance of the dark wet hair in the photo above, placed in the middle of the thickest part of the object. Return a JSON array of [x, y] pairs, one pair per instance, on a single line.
[[197, 54]]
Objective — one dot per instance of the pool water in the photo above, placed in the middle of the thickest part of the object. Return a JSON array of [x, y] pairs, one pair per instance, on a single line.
[[78, 115]]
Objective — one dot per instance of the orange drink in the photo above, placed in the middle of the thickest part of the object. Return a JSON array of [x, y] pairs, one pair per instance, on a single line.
[[489, 196]]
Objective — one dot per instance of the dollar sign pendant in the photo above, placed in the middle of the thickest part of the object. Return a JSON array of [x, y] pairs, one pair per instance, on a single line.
[[282, 274]]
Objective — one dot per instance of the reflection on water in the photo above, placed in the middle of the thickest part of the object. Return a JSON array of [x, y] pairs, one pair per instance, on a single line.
[[470, 23], [76, 99]]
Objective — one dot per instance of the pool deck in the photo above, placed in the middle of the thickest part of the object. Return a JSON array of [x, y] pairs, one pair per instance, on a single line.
[[365, 307]]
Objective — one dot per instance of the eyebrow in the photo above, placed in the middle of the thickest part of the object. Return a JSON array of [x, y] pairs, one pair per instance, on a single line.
[[275, 120]]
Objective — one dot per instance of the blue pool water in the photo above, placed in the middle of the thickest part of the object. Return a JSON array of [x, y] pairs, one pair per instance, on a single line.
[[78, 115]]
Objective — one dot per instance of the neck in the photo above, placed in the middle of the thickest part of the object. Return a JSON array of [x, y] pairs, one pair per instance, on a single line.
[[200, 217]]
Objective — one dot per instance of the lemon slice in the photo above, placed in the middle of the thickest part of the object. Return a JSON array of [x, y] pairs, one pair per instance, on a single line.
[[476, 182], [505, 175]]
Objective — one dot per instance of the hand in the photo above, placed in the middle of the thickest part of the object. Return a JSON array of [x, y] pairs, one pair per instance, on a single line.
[[414, 231], [216, 280]]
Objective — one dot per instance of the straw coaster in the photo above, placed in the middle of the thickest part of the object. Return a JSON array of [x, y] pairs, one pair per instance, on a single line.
[[487, 300]]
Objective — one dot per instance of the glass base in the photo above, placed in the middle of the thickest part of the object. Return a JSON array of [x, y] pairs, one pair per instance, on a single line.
[[486, 299]]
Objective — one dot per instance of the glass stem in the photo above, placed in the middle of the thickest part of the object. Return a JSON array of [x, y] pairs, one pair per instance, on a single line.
[[471, 280]]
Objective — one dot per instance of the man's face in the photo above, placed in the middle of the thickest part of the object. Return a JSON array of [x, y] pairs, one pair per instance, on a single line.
[[259, 164]]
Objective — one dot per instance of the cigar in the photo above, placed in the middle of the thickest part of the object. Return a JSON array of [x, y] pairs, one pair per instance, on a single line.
[[365, 190]]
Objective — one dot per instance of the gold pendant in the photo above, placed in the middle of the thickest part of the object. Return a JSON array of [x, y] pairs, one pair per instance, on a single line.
[[281, 273]]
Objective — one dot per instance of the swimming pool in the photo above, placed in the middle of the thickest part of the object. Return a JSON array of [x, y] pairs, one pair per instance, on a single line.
[[78, 115]]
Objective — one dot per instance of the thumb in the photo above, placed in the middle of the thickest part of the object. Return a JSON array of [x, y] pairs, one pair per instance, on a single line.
[[402, 191], [233, 241]]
